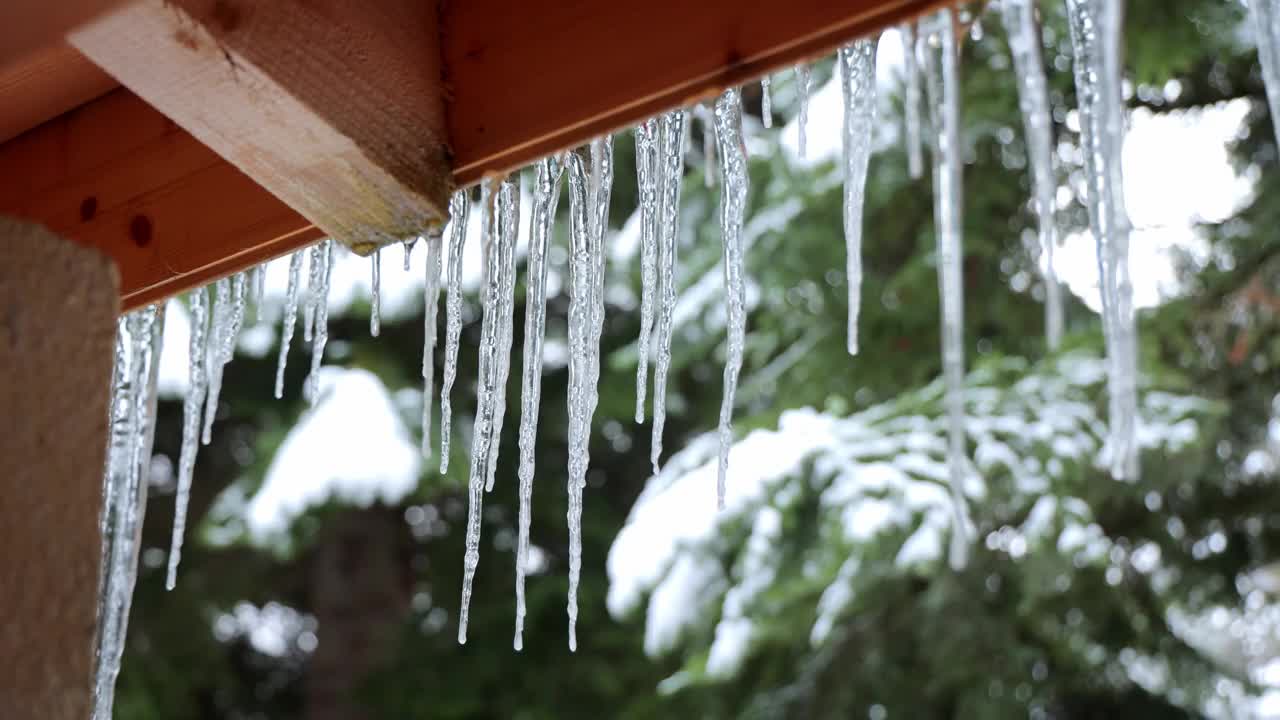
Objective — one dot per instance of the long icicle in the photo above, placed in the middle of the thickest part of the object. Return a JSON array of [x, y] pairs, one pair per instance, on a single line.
[[948, 172], [804, 76], [320, 320], [507, 226], [125, 493], [733, 209], [199, 306], [858, 88], [1096, 28], [1266, 26], [1033, 100], [430, 330], [290, 318], [459, 208], [546, 196], [581, 311], [647, 181], [602, 189], [670, 175], [911, 100], [486, 391]]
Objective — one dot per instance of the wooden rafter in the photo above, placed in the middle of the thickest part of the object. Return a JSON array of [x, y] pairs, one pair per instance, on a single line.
[[521, 80]]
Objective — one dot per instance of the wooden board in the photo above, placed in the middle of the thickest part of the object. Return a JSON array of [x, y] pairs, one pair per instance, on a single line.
[[335, 107], [119, 176], [523, 79], [45, 84]]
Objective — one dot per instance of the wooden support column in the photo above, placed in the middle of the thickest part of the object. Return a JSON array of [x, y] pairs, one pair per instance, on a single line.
[[58, 305], [334, 107]]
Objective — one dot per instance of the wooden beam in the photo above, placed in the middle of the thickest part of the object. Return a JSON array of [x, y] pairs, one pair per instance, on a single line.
[[45, 84], [335, 107], [531, 77], [57, 330], [525, 79], [29, 27], [119, 176]]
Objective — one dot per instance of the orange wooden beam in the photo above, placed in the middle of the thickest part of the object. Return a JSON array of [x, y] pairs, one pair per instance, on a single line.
[[523, 79]]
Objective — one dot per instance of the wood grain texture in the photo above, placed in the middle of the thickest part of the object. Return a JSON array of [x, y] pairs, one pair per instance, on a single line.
[[335, 107], [117, 175], [58, 304], [29, 27], [533, 77], [45, 84]]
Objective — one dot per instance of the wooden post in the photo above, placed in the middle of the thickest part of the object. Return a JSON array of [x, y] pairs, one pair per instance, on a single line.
[[58, 306], [335, 107]]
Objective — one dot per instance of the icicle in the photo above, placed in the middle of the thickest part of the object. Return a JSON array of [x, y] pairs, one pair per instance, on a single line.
[[804, 76], [375, 310], [647, 180], [459, 208], [602, 188], [858, 88], [733, 209], [546, 196], [408, 250], [321, 320], [506, 223], [708, 145], [199, 306], [1096, 27], [670, 174], [290, 318], [911, 100], [944, 105], [431, 316], [1033, 100], [486, 390], [581, 311], [315, 277], [218, 332], [766, 103], [125, 479], [258, 288], [1266, 26]]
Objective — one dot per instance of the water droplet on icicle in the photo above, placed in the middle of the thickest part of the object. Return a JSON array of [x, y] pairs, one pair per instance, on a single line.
[[1096, 31], [459, 208], [944, 105], [1033, 101], [546, 196], [857, 63], [733, 210]]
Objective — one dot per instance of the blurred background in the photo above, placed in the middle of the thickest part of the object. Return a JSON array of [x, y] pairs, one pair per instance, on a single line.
[[323, 567]]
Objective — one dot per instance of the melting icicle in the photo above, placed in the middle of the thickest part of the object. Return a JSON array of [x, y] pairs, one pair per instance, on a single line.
[[602, 188], [1266, 25], [647, 180], [486, 392], [670, 174], [375, 311], [944, 105], [217, 335], [546, 196], [132, 418], [581, 309], [315, 277], [290, 319], [199, 306], [911, 100], [733, 209], [321, 320], [858, 88], [804, 76], [1033, 100], [1096, 27], [431, 301], [766, 103], [506, 223], [459, 208]]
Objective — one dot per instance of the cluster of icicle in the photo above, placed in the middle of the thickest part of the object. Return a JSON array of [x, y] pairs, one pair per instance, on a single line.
[[931, 50]]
